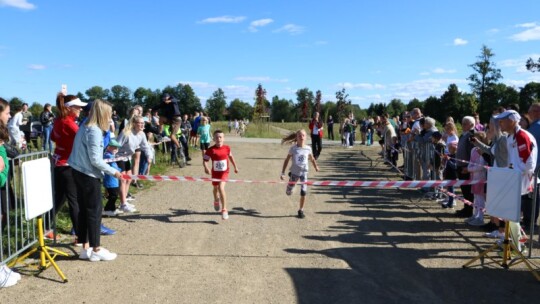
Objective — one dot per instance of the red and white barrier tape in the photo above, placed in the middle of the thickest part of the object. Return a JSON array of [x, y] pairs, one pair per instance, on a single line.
[[371, 184]]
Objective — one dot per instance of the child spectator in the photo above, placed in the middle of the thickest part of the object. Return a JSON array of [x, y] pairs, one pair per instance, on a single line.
[[438, 151], [300, 154], [440, 147], [478, 172], [450, 173], [111, 183], [204, 134], [220, 155]]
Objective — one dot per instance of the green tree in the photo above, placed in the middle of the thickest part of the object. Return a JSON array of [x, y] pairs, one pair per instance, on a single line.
[[146, 98], [216, 105], [330, 108], [533, 66], [432, 108], [239, 109], [528, 95], [120, 98], [304, 97], [485, 76], [36, 109], [415, 103], [451, 103], [502, 95], [15, 104], [469, 105], [318, 97], [343, 104], [395, 107], [97, 92], [282, 109], [261, 103], [376, 109], [189, 102]]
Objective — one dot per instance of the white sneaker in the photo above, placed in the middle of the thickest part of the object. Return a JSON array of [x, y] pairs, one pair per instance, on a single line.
[[129, 204], [102, 255], [224, 214], [85, 254], [10, 273], [128, 209], [7, 280], [112, 213]]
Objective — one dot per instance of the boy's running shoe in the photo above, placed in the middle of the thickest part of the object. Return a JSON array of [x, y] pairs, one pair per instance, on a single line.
[[128, 209], [301, 214], [224, 214]]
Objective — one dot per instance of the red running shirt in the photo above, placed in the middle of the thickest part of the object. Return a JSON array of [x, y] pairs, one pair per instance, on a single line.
[[220, 159]]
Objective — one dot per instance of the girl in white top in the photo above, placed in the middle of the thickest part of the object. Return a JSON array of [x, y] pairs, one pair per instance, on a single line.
[[15, 133], [450, 135], [131, 139], [300, 153]]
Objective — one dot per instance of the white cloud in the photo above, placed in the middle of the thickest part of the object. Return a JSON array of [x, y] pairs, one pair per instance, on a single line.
[[532, 32], [424, 73], [259, 79], [527, 25], [459, 41], [22, 4], [493, 31], [290, 28], [443, 71], [321, 42], [223, 19], [362, 86], [36, 67], [422, 88], [254, 25], [517, 63]]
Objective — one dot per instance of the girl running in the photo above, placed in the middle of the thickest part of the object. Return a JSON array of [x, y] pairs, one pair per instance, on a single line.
[[300, 154]]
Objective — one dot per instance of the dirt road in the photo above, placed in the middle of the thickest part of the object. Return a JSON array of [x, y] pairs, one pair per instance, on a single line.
[[356, 245]]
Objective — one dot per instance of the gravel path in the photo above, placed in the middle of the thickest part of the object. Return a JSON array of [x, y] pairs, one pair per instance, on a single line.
[[356, 245]]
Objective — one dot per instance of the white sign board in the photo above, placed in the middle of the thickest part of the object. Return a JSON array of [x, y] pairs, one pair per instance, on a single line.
[[503, 197], [37, 187]]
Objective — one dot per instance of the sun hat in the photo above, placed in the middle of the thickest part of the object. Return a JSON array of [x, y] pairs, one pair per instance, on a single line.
[[75, 102]]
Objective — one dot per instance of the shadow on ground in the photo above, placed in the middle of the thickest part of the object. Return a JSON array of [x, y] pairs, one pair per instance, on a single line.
[[399, 247]]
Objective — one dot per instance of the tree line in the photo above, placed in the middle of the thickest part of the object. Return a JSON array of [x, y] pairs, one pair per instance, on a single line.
[[487, 93]]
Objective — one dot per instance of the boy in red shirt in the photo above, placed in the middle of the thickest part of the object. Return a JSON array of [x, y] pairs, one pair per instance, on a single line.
[[220, 155]]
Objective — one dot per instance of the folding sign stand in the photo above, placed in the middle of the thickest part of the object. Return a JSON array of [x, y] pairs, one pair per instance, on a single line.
[[509, 249], [38, 197], [504, 201]]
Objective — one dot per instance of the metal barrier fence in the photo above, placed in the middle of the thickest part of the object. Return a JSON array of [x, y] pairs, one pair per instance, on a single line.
[[419, 160], [16, 233]]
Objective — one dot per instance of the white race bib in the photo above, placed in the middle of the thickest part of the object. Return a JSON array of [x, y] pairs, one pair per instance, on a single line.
[[220, 165]]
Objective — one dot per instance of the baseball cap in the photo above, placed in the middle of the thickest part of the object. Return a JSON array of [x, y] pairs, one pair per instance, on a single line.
[[114, 143], [510, 114]]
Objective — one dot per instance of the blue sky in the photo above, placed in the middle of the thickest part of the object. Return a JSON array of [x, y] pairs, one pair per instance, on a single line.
[[376, 50]]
